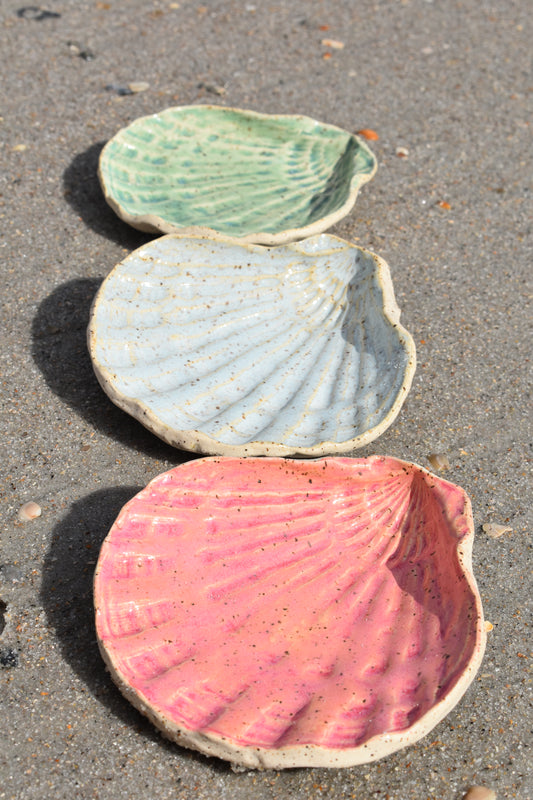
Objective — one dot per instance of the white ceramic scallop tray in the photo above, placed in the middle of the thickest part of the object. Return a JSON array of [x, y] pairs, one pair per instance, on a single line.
[[225, 348]]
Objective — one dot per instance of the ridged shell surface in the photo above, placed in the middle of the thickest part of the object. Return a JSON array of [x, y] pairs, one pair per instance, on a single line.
[[259, 177], [283, 613], [231, 349]]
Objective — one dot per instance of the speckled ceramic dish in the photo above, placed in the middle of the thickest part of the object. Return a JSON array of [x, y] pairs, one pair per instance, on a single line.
[[231, 349], [256, 177], [281, 613]]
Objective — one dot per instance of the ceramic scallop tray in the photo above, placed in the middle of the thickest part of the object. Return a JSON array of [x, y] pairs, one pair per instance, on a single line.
[[226, 348], [258, 177], [283, 613]]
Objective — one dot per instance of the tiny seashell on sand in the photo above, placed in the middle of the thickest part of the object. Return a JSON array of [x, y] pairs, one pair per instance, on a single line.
[[439, 461], [29, 511], [480, 793], [138, 86], [494, 530]]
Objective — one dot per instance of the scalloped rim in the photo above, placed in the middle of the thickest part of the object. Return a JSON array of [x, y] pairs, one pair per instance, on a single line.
[[313, 755], [198, 442], [152, 223]]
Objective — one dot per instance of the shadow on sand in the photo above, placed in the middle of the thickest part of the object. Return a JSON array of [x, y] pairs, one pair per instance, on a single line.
[[59, 349], [67, 598], [83, 192]]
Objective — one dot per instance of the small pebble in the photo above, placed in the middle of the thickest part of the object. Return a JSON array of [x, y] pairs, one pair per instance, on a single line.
[[368, 133], [10, 572], [19, 148], [78, 50], [36, 13], [138, 86], [402, 152], [480, 793], [488, 626], [120, 90], [238, 768], [29, 511], [439, 461], [212, 88], [334, 43], [8, 658], [494, 530]]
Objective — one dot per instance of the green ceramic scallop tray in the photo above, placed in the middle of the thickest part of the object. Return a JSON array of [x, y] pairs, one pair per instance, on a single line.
[[268, 179]]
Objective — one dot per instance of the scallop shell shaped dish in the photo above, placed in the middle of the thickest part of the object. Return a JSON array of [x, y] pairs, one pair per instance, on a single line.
[[281, 613], [231, 349], [261, 178]]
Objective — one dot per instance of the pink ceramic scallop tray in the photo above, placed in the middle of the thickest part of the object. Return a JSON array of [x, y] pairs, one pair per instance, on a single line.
[[281, 613]]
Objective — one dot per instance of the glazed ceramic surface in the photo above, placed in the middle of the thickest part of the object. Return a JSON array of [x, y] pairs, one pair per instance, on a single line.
[[262, 178], [282, 613], [232, 349]]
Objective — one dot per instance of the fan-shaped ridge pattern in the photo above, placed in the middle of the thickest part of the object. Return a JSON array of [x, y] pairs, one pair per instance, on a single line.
[[253, 176], [279, 605], [221, 347]]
